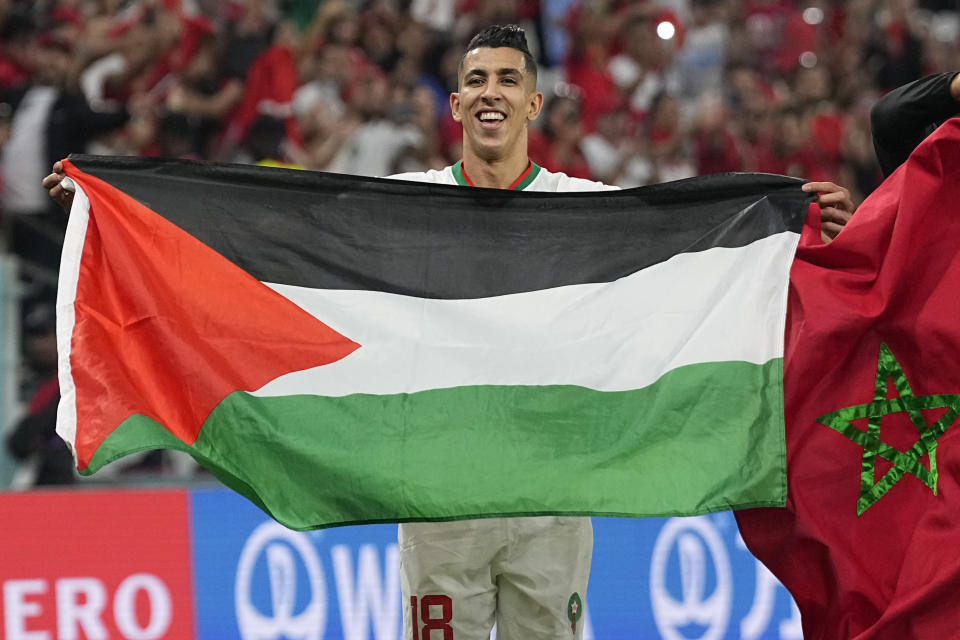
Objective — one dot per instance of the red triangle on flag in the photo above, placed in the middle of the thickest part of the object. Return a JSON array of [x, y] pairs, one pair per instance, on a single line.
[[166, 327]]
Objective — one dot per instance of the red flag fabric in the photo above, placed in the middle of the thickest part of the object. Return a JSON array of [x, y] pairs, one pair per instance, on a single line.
[[202, 308], [867, 544]]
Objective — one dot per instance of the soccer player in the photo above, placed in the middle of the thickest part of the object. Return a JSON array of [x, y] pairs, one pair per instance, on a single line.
[[527, 574]]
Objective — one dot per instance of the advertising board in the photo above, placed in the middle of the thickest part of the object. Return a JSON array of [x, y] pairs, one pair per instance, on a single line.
[[677, 578], [207, 564], [95, 565]]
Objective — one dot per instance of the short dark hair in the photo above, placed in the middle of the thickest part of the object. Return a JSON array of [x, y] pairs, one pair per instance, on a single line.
[[509, 35]]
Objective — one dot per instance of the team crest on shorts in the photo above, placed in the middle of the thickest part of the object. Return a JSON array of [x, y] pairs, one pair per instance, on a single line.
[[574, 610]]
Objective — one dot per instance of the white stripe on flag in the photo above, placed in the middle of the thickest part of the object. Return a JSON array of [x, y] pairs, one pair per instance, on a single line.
[[66, 315], [712, 306]]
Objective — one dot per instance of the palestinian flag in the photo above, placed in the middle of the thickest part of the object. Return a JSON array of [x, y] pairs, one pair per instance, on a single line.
[[343, 350]]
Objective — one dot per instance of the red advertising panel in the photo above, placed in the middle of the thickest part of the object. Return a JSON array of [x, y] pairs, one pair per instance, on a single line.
[[92, 565]]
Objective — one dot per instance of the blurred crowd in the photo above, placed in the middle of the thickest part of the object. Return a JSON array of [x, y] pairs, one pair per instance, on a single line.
[[637, 91]]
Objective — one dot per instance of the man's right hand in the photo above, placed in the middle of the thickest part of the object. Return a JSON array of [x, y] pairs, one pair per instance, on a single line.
[[52, 184]]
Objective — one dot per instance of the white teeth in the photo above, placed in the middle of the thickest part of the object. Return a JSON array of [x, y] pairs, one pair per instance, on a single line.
[[491, 115]]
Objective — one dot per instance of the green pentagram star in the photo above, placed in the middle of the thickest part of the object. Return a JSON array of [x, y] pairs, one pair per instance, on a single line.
[[903, 462]]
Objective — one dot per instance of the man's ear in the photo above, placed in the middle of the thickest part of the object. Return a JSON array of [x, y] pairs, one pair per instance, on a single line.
[[535, 106], [455, 107]]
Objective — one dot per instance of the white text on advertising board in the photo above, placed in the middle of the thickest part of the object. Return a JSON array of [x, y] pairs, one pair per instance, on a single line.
[[82, 606]]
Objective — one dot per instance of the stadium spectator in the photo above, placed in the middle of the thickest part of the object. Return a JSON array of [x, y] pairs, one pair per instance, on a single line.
[[518, 573], [265, 143], [613, 154], [701, 59], [387, 135], [556, 146], [34, 439], [717, 145], [668, 140], [641, 69], [587, 62], [49, 118]]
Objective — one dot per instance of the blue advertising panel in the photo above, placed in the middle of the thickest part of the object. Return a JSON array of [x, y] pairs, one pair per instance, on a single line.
[[257, 580], [683, 579], [675, 579]]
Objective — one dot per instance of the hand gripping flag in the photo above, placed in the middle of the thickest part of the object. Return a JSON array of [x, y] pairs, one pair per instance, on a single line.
[[343, 350], [867, 544]]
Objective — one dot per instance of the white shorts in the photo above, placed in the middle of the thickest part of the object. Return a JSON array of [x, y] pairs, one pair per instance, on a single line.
[[527, 575]]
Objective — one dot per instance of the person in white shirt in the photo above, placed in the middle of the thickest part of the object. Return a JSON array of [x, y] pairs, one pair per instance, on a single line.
[[526, 574]]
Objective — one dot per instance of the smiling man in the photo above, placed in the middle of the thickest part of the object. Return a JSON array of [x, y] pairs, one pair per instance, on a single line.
[[527, 574], [495, 102]]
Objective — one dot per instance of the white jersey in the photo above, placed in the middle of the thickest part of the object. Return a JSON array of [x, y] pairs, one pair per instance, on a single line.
[[536, 178], [526, 574]]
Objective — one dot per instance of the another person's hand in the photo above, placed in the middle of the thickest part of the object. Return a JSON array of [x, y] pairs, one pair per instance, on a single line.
[[836, 207], [52, 184]]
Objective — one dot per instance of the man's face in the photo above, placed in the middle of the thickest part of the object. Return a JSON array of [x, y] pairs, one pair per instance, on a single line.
[[497, 97]]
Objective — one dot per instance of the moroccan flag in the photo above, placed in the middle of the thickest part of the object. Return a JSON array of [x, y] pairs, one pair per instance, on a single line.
[[342, 349], [868, 543]]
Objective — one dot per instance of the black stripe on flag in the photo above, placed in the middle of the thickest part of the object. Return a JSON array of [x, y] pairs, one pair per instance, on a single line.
[[332, 231]]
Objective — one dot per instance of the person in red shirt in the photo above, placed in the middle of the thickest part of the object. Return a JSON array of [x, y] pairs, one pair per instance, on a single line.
[[557, 145]]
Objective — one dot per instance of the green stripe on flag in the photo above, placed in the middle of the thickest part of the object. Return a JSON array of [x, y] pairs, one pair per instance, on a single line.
[[703, 438]]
